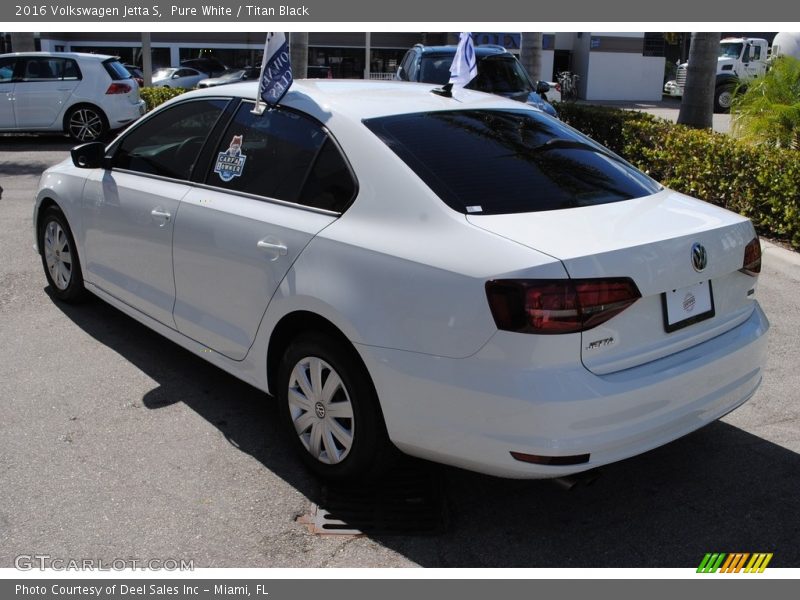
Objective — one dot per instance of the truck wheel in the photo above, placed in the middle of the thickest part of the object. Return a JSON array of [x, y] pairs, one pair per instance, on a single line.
[[723, 96]]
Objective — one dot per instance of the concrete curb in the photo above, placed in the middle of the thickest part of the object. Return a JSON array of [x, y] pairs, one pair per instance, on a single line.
[[793, 258]]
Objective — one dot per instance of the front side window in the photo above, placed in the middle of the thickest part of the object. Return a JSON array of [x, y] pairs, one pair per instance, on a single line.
[[7, 69], [169, 143], [282, 155], [508, 161]]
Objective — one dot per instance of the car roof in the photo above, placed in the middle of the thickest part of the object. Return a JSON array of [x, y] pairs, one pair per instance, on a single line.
[[75, 55], [480, 51], [359, 99]]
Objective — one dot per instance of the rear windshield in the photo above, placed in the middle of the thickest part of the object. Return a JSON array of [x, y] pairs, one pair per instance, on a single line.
[[116, 69], [508, 161]]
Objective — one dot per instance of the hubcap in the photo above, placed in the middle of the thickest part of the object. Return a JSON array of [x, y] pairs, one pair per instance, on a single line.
[[85, 125], [321, 410], [57, 255], [725, 99]]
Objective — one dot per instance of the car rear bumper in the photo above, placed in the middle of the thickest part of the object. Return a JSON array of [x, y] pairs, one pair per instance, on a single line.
[[124, 113], [473, 412]]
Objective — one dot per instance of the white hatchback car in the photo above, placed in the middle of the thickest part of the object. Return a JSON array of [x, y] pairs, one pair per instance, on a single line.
[[463, 278], [83, 95]]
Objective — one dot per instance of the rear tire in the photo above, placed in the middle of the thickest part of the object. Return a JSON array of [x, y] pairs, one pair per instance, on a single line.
[[86, 124], [60, 257], [330, 409]]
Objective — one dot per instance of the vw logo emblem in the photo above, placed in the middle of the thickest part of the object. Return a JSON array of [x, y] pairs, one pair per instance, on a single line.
[[319, 408], [699, 257]]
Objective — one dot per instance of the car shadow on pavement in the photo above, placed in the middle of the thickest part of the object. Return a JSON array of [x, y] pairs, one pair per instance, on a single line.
[[718, 490]]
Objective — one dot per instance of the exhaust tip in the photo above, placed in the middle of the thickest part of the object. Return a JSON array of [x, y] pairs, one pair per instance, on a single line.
[[570, 482]]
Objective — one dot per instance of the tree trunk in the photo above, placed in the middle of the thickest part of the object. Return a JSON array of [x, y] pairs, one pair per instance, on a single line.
[[697, 104], [23, 42], [531, 55], [298, 46]]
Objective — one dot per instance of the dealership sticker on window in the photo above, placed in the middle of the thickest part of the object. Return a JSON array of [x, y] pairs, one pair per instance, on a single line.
[[230, 163]]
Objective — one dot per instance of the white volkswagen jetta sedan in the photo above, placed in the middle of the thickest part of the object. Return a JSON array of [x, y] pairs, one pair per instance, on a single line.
[[463, 278]]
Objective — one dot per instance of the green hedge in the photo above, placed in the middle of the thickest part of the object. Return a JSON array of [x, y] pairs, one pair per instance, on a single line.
[[153, 96], [763, 185]]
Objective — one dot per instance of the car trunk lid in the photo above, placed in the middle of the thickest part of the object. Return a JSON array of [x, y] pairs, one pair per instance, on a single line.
[[650, 240]]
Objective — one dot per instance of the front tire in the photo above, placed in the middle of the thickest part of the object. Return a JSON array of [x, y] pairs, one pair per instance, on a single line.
[[60, 257], [330, 409], [723, 97]]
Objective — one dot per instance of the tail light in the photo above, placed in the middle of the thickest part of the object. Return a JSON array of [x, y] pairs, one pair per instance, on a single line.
[[752, 257], [118, 88], [551, 306]]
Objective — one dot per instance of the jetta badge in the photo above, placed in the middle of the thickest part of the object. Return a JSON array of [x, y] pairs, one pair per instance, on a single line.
[[699, 257]]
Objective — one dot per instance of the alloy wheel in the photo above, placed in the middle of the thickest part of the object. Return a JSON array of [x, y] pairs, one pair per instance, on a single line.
[[57, 254], [85, 125]]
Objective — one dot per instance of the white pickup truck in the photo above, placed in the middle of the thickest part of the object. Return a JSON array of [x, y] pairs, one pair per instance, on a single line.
[[740, 61]]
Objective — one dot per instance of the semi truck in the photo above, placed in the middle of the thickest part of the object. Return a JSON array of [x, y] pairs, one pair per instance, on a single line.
[[740, 61]]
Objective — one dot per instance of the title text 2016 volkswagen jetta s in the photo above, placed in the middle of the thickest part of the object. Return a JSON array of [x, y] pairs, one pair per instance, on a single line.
[[464, 278]]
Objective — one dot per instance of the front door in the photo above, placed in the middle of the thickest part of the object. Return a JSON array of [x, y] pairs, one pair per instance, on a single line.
[[130, 210]]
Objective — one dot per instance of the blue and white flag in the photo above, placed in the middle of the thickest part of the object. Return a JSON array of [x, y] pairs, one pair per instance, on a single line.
[[276, 70], [464, 67]]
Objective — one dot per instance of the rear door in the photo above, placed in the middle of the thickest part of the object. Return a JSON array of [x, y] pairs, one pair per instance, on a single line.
[[44, 89], [274, 181], [129, 210]]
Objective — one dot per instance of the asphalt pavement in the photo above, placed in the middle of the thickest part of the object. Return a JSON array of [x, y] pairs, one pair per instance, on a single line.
[[117, 444], [666, 108]]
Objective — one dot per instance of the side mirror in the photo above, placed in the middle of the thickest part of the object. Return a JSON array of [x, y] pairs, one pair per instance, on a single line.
[[175, 75], [542, 87], [89, 156]]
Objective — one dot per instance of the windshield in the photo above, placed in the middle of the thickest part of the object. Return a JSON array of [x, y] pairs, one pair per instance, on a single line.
[[163, 73], [730, 50], [508, 161], [500, 75], [496, 74]]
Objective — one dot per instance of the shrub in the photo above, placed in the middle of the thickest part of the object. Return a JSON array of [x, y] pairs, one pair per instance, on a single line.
[[153, 96], [768, 112], [761, 184]]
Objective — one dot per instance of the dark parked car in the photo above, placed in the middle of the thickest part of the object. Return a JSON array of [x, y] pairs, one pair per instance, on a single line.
[[499, 72], [319, 72], [136, 74], [209, 65]]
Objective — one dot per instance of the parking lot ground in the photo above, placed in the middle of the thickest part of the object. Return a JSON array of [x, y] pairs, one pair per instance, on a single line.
[[115, 443], [666, 108]]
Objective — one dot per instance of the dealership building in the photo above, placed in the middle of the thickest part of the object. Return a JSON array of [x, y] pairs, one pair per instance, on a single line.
[[610, 66]]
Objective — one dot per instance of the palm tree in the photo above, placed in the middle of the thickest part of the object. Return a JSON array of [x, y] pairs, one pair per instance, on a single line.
[[298, 46], [697, 104], [769, 111], [530, 55]]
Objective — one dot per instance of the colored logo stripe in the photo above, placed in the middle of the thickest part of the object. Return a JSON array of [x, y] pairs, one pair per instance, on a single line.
[[734, 562]]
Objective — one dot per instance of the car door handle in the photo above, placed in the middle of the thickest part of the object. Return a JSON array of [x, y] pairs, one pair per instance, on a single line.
[[271, 245], [161, 214]]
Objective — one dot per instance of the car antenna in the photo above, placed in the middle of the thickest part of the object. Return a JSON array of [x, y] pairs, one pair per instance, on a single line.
[[446, 90]]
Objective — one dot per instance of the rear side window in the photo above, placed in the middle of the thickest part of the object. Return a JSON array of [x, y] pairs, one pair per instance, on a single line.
[[283, 155], [116, 69], [169, 143], [49, 69], [508, 161]]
